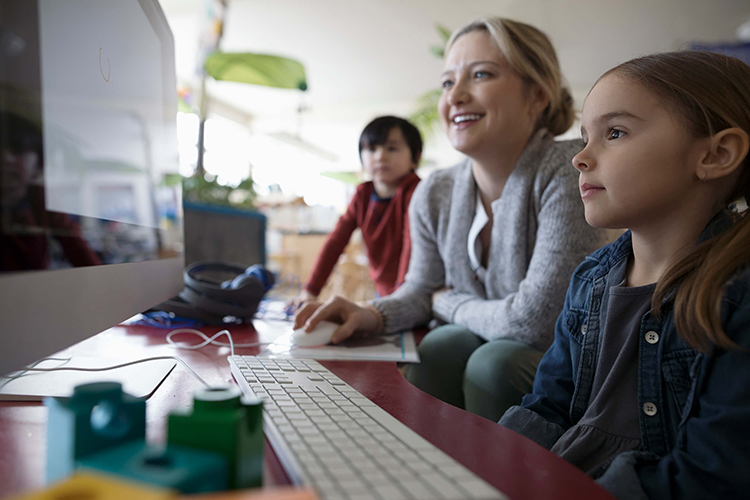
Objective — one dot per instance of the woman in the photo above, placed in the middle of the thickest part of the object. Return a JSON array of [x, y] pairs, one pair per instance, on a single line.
[[495, 238]]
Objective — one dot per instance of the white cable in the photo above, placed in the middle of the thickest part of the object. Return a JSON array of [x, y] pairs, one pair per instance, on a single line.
[[208, 340], [23, 372], [121, 366]]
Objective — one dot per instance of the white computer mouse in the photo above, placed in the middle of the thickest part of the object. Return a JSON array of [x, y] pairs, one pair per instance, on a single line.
[[320, 335]]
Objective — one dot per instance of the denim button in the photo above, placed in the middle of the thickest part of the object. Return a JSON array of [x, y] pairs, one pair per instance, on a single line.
[[652, 337], [583, 329], [649, 409]]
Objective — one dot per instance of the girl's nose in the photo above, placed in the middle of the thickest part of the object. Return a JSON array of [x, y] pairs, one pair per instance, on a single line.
[[582, 161]]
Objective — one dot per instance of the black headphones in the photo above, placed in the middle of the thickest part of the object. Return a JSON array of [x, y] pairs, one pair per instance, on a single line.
[[215, 302]]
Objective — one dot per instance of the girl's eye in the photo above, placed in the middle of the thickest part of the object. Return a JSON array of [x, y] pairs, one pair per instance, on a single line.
[[615, 134], [447, 83], [393, 149]]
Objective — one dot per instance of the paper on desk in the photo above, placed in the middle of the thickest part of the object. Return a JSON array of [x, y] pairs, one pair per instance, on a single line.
[[397, 347]]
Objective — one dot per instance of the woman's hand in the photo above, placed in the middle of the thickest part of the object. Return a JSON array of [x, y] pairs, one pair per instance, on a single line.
[[353, 318], [437, 293]]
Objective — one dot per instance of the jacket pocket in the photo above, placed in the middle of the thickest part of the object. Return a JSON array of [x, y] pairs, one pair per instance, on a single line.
[[678, 369], [575, 323]]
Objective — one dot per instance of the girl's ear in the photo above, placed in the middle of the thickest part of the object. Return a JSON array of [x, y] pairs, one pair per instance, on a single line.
[[728, 149]]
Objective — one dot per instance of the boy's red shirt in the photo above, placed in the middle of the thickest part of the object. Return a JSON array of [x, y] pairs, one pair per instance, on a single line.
[[385, 231]]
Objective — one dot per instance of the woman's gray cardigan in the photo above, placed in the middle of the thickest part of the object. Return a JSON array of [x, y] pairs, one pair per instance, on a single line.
[[539, 236]]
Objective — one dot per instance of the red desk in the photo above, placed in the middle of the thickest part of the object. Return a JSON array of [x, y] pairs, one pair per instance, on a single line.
[[516, 466]]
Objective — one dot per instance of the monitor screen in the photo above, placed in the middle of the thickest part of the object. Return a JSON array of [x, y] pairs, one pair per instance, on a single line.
[[90, 200]]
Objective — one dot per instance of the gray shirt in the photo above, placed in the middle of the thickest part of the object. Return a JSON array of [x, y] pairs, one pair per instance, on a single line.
[[539, 236], [610, 425]]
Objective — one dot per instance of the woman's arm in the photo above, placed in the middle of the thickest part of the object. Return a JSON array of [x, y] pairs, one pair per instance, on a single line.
[[563, 239], [411, 304], [403, 265]]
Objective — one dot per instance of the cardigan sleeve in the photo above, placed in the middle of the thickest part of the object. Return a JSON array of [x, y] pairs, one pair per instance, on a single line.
[[335, 245], [403, 265], [563, 239], [411, 304]]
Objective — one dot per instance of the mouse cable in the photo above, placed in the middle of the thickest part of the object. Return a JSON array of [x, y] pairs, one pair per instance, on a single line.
[[106, 368], [207, 340]]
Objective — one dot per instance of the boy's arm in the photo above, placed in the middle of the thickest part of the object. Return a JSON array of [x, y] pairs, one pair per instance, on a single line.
[[544, 414], [334, 246]]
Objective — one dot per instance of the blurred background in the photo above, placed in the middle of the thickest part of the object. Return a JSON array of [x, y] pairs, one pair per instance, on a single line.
[[284, 161]]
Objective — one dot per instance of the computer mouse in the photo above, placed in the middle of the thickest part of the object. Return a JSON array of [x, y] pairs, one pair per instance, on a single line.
[[321, 335]]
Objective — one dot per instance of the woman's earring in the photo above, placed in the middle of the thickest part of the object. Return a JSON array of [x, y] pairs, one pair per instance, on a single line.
[[703, 179]]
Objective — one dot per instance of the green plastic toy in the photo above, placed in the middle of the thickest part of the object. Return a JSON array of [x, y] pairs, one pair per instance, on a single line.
[[224, 421], [188, 470], [97, 417]]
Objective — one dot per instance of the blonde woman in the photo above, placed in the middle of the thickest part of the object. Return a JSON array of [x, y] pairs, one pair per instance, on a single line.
[[495, 238]]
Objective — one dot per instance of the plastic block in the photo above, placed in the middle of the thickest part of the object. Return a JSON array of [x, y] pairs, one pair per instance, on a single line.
[[97, 417], [188, 470], [223, 421], [99, 487]]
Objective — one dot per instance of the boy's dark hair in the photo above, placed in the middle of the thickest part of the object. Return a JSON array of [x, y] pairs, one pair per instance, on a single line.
[[376, 133]]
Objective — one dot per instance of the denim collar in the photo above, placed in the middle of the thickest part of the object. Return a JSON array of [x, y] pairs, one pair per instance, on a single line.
[[622, 247]]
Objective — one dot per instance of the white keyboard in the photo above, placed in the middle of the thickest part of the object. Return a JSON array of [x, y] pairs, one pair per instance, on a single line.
[[331, 438]]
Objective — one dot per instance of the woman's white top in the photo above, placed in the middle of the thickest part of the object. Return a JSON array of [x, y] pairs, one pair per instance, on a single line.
[[475, 243]]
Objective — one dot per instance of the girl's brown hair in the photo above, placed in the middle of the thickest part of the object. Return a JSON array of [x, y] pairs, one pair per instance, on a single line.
[[531, 53], [710, 92]]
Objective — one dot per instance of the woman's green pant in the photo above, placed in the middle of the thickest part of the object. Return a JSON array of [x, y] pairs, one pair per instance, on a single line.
[[485, 378]]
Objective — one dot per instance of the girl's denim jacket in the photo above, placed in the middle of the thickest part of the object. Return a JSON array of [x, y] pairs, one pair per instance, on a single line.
[[694, 408]]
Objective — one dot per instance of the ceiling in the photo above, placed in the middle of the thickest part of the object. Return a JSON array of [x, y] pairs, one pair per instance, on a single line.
[[370, 56]]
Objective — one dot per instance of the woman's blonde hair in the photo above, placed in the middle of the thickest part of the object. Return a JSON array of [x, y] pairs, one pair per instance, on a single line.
[[709, 92], [531, 54]]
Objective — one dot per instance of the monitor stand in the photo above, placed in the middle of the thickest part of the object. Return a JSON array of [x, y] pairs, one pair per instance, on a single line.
[[139, 380]]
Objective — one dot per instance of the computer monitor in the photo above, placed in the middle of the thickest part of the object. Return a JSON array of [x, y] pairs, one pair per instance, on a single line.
[[90, 199]]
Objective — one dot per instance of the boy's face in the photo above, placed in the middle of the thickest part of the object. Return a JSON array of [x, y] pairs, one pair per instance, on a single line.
[[638, 168], [388, 163]]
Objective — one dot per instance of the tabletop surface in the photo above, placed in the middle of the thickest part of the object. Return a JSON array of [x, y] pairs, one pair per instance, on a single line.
[[515, 465]]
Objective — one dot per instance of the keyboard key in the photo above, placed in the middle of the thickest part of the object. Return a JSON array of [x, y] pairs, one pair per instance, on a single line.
[[389, 492], [418, 489]]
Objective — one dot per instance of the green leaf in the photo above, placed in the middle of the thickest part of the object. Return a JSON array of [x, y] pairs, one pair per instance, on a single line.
[[426, 117], [257, 69], [444, 32], [438, 51]]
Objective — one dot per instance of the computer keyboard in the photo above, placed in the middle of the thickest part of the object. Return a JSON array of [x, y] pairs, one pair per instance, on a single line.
[[330, 437]]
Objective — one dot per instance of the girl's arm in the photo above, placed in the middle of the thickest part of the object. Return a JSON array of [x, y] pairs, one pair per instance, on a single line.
[[334, 246], [711, 456], [563, 239], [544, 414]]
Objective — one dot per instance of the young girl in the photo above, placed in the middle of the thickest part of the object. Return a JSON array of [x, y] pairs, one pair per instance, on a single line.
[[647, 384], [390, 149]]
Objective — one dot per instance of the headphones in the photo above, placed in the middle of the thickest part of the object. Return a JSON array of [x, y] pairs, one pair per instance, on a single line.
[[212, 301]]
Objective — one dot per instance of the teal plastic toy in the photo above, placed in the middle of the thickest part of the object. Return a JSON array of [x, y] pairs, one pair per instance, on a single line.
[[188, 470], [224, 421], [97, 417]]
